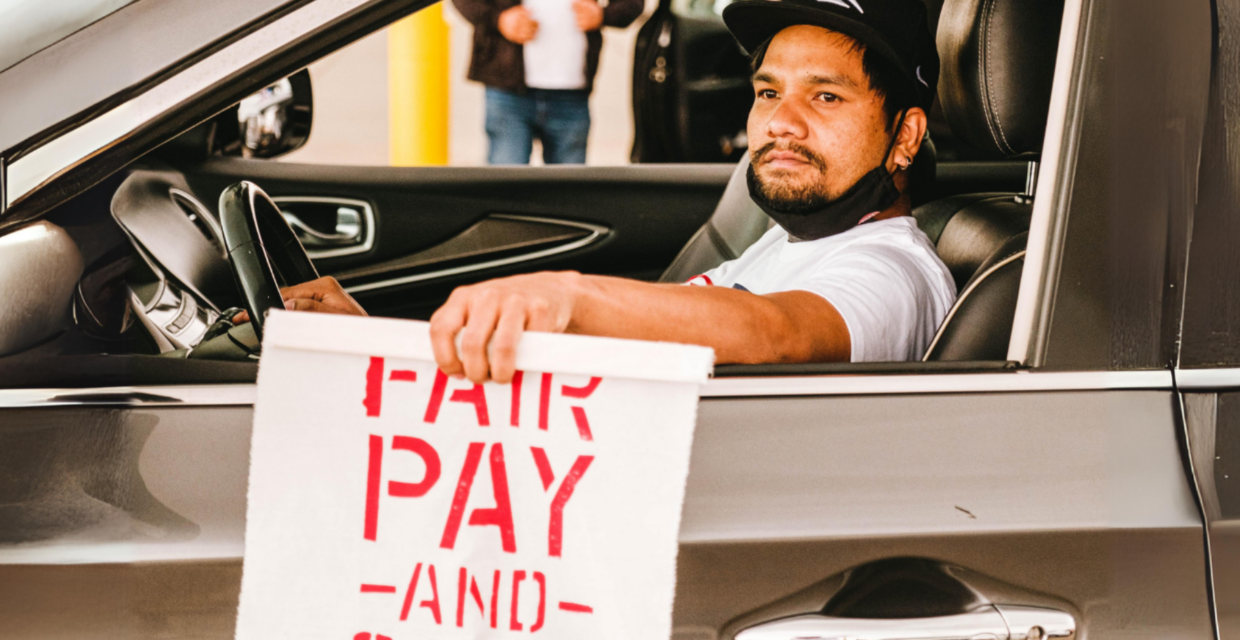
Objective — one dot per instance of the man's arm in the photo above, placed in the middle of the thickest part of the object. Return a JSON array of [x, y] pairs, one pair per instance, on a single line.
[[793, 326]]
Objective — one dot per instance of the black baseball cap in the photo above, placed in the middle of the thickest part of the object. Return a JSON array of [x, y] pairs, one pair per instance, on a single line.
[[895, 29]]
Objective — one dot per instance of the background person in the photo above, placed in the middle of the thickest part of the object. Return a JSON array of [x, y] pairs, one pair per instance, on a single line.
[[538, 61]]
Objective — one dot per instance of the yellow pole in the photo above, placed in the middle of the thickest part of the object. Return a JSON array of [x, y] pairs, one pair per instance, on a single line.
[[418, 89]]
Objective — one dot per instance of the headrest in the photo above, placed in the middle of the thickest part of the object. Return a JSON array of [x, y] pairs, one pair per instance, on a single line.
[[998, 62]]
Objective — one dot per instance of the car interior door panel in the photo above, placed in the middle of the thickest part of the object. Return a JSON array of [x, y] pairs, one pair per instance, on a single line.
[[497, 237], [439, 227]]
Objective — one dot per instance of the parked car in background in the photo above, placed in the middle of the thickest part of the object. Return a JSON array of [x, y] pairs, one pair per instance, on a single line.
[[1063, 462]]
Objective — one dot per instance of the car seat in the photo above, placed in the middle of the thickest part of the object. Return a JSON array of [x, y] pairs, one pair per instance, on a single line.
[[998, 59]]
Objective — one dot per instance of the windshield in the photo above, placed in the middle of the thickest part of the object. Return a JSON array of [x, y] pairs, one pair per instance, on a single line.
[[26, 26]]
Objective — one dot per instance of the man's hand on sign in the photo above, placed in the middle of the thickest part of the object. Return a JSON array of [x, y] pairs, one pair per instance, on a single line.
[[517, 25], [589, 14], [324, 295], [496, 312]]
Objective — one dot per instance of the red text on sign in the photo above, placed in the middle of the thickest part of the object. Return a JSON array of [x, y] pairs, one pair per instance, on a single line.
[[467, 591], [475, 396], [498, 516]]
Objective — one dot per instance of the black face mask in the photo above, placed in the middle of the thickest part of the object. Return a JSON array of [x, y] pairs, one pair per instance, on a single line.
[[873, 193]]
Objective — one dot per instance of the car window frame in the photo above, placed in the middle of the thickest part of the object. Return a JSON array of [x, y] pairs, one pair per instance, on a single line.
[[1047, 227], [87, 149], [77, 78]]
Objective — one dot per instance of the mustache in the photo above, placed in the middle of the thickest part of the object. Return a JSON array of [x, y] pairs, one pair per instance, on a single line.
[[759, 156]]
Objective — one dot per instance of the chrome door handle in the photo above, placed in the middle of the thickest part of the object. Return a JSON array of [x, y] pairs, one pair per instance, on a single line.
[[349, 230], [991, 622], [352, 232]]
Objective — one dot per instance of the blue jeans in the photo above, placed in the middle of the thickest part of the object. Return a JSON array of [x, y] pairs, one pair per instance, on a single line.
[[557, 117]]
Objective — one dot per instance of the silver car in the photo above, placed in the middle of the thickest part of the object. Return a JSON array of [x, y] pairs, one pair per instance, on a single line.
[[1058, 466]]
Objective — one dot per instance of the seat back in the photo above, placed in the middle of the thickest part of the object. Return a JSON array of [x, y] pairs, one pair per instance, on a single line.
[[968, 230], [998, 61], [979, 325], [736, 223]]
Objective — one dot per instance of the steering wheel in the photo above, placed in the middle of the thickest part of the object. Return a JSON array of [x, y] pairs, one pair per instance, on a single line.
[[260, 247]]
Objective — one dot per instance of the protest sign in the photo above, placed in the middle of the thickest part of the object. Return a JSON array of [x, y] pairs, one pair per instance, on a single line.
[[388, 501]]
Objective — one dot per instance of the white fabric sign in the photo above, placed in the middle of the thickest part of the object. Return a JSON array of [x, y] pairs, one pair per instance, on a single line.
[[556, 57], [388, 501]]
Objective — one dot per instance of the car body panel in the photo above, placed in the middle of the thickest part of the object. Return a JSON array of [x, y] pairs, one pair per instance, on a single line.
[[858, 466], [1212, 417], [126, 506]]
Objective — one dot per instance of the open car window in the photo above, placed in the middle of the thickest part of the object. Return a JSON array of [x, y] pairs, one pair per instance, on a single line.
[[453, 209]]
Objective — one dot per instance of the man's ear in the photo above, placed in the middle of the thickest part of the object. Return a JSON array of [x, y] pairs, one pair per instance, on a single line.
[[908, 140]]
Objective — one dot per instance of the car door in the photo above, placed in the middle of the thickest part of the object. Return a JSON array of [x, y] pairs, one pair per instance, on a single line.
[[929, 496]]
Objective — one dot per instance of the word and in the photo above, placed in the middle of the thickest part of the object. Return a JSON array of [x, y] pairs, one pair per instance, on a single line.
[[486, 598]]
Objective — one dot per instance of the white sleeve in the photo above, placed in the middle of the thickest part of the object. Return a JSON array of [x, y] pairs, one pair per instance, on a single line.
[[713, 276], [724, 274], [886, 297]]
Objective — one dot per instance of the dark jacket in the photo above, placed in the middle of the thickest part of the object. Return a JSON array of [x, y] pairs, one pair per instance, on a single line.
[[498, 63]]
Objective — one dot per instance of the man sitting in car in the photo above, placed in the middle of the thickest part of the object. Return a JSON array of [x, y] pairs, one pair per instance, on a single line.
[[841, 90]]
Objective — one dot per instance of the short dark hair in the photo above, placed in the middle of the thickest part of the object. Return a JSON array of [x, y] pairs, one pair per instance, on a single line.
[[885, 78]]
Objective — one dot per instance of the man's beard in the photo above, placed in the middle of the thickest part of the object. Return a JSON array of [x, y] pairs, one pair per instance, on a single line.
[[788, 198]]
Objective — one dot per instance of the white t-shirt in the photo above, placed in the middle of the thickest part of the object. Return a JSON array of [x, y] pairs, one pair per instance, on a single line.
[[883, 277], [556, 57]]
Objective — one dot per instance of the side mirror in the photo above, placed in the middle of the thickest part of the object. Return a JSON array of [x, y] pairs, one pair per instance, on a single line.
[[272, 122], [277, 119]]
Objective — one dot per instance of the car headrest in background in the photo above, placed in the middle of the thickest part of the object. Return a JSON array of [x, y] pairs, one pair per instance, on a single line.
[[998, 61]]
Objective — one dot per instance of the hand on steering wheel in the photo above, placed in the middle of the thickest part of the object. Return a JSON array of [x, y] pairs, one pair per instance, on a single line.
[[324, 295]]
